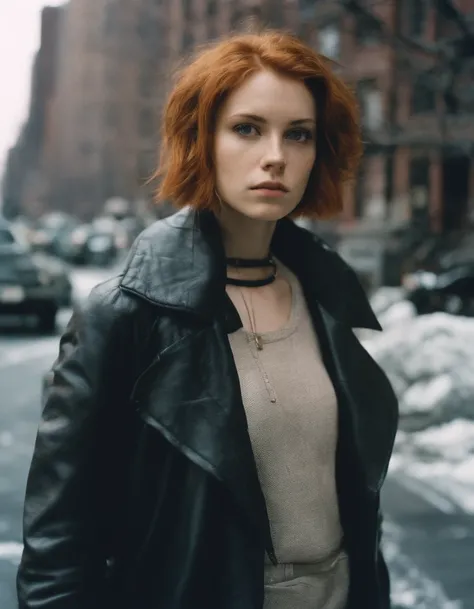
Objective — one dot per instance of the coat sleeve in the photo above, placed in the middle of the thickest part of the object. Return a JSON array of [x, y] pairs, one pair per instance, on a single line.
[[63, 563]]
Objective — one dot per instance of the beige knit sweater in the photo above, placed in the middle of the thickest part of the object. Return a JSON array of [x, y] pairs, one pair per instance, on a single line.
[[294, 442]]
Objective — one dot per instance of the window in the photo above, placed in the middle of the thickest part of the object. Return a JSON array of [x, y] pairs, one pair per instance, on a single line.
[[329, 41], [416, 13], [306, 9], [146, 29], [423, 98], [211, 8], [419, 184], [367, 31], [211, 18], [371, 103], [86, 115], [254, 21], [110, 19], [187, 40], [187, 10], [111, 77], [146, 123], [111, 115], [86, 149], [236, 19], [87, 79], [273, 14], [146, 82]]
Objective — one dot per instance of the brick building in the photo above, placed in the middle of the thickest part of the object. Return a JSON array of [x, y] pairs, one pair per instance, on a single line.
[[413, 141], [193, 22], [434, 134], [417, 175], [113, 76], [23, 184], [103, 134], [100, 137]]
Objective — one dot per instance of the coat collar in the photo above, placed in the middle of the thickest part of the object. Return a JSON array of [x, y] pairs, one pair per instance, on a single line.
[[179, 263]]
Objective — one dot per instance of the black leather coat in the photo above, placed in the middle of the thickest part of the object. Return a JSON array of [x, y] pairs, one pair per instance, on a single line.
[[143, 491]]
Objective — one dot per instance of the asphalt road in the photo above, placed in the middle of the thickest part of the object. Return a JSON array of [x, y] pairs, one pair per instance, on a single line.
[[429, 544]]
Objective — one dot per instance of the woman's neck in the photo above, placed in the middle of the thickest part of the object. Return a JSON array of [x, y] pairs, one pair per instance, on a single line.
[[246, 238]]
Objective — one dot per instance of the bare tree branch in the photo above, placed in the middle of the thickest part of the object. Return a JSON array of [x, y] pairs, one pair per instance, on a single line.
[[438, 64], [449, 10]]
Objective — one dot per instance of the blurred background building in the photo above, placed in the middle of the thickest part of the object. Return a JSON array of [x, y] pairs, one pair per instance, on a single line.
[[103, 71], [23, 177]]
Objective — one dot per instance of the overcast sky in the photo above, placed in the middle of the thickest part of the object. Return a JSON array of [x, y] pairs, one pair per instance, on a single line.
[[19, 40]]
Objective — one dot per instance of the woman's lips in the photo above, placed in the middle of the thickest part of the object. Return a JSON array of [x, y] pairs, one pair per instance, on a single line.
[[269, 192]]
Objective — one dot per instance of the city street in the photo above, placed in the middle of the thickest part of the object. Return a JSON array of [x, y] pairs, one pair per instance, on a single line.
[[429, 540]]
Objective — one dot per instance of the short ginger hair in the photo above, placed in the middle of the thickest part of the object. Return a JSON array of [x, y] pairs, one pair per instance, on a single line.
[[186, 169]]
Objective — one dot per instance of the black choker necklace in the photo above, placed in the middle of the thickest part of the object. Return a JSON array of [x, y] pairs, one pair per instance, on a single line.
[[252, 263]]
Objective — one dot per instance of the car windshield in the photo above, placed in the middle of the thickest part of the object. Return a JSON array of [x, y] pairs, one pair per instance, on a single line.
[[6, 237]]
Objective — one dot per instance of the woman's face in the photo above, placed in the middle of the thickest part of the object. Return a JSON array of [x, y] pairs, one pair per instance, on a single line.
[[265, 146]]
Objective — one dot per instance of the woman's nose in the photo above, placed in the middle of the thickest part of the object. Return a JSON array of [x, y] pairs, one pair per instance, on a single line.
[[274, 155]]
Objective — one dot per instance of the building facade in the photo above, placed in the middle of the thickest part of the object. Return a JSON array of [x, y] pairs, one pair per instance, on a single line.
[[111, 67], [417, 176], [104, 128], [23, 184]]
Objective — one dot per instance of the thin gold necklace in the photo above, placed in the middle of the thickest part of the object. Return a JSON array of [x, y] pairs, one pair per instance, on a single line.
[[257, 339], [253, 326]]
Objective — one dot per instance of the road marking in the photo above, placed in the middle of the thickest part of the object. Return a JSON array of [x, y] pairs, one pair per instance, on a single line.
[[427, 492], [13, 356]]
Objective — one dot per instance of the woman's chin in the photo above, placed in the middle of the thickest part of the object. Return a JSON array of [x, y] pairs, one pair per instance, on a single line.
[[263, 211]]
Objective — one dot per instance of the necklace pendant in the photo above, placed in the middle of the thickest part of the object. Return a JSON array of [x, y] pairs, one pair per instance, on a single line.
[[258, 342]]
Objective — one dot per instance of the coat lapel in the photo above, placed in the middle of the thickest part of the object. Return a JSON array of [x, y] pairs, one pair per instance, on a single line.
[[204, 417], [338, 304], [368, 400]]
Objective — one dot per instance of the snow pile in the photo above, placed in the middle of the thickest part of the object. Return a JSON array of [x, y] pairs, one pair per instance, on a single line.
[[391, 310], [430, 362], [397, 314], [383, 299], [441, 456]]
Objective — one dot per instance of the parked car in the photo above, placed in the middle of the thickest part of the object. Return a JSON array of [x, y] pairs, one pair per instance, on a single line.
[[100, 248], [106, 241], [31, 283], [450, 290], [50, 232], [73, 245]]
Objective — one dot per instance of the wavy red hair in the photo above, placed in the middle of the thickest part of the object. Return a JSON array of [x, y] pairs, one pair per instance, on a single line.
[[186, 169]]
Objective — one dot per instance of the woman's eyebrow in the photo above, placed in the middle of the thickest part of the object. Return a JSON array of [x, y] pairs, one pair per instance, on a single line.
[[260, 119]]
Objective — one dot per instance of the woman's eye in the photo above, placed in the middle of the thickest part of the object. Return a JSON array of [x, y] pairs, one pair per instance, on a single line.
[[245, 129], [300, 135]]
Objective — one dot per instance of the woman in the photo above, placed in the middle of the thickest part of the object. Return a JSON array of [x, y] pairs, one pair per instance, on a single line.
[[215, 437]]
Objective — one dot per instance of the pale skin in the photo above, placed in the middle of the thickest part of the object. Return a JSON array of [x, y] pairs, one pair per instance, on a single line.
[[265, 131]]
